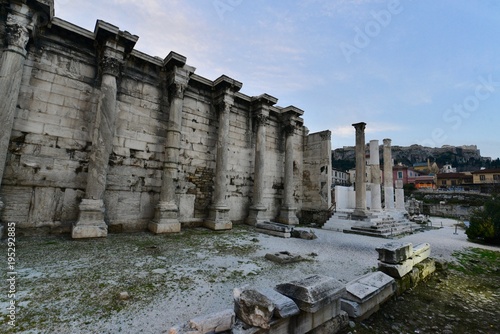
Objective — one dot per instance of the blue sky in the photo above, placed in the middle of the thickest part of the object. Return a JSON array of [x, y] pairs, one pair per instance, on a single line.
[[418, 72]]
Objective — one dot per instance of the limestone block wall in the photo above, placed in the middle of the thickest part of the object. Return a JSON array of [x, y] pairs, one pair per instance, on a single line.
[[316, 176], [47, 164]]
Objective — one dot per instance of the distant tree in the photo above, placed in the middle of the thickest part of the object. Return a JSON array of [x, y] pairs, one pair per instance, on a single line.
[[485, 222]]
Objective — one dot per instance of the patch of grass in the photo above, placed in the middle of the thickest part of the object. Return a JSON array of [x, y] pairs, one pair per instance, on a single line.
[[477, 261]]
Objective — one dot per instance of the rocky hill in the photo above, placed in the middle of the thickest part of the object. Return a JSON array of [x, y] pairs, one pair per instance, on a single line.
[[464, 158]]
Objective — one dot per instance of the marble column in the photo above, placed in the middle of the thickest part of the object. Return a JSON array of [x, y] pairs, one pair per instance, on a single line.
[[388, 178], [258, 209], [11, 71], [400, 196], [288, 210], [218, 218], [91, 222], [376, 196], [167, 212], [360, 186]]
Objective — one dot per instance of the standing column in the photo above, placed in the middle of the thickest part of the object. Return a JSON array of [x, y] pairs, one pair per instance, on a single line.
[[261, 115], [219, 210], [375, 176], [11, 72], [113, 44], [360, 186], [388, 180], [167, 211], [288, 210]]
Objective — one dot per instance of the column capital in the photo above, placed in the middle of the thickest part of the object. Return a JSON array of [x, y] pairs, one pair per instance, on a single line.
[[176, 90], [17, 33], [113, 45], [359, 126], [290, 117], [387, 142]]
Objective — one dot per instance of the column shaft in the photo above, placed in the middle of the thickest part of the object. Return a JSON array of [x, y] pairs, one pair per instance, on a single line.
[[288, 210], [360, 186], [376, 198], [11, 72], [258, 209], [167, 212], [219, 211], [388, 178]]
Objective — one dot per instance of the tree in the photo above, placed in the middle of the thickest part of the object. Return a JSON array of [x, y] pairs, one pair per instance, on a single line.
[[485, 222]]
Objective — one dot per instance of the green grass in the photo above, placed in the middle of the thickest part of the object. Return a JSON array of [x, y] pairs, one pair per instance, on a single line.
[[477, 261]]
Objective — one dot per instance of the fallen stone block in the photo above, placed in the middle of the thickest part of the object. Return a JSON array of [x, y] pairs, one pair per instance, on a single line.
[[364, 295], [312, 293], [213, 323], [284, 307], [301, 234], [274, 227], [395, 252], [421, 250], [284, 257], [275, 233], [253, 307], [334, 325], [396, 270]]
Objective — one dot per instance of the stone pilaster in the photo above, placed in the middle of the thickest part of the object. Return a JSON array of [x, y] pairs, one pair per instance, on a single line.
[[218, 218], [112, 45], [388, 178], [376, 196], [288, 212], [261, 104], [360, 211], [167, 212], [18, 27]]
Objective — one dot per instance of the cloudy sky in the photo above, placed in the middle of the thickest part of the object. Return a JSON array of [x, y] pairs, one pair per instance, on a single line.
[[418, 72]]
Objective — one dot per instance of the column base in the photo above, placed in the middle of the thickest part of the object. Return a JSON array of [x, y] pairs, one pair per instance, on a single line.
[[257, 214], [288, 216], [360, 214], [218, 219], [90, 222], [166, 219]]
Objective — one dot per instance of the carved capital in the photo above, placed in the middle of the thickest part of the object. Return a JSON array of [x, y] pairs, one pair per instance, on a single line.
[[326, 135], [176, 91], [289, 129], [224, 107], [111, 66], [261, 119], [17, 33]]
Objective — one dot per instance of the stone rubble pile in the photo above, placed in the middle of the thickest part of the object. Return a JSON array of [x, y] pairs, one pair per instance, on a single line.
[[318, 304]]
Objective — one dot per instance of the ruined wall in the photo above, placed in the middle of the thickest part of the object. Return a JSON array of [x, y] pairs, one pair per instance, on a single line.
[[316, 177], [46, 167]]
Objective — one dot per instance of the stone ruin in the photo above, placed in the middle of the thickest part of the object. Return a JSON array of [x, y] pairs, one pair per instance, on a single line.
[[363, 204], [318, 304], [99, 137]]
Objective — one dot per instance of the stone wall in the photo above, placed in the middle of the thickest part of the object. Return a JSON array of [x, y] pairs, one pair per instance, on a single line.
[[316, 178], [69, 133]]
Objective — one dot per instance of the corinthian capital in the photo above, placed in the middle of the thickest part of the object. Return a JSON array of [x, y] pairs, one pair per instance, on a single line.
[[111, 66], [17, 33], [176, 90], [261, 119]]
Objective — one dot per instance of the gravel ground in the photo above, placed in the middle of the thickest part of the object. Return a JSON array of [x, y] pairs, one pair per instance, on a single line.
[[72, 286]]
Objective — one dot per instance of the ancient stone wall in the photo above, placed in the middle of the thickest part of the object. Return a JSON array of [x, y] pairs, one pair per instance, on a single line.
[[61, 126], [317, 177]]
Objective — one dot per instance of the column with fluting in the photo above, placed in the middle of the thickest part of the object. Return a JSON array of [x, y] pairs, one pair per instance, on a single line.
[[288, 211], [260, 106], [360, 184], [376, 196], [167, 211], [224, 88], [112, 46], [388, 177]]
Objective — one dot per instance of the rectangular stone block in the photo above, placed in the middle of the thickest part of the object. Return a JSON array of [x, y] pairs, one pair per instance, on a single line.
[[275, 233], [213, 323], [274, 227], [312, 293], [395, 252]]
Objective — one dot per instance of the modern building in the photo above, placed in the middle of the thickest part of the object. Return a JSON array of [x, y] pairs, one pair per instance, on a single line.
[[340, 177], [453, 180], [486, 176]]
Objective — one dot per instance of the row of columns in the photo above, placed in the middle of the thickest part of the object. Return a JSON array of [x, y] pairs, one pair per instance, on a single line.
[[360, 211], [113, 47]]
